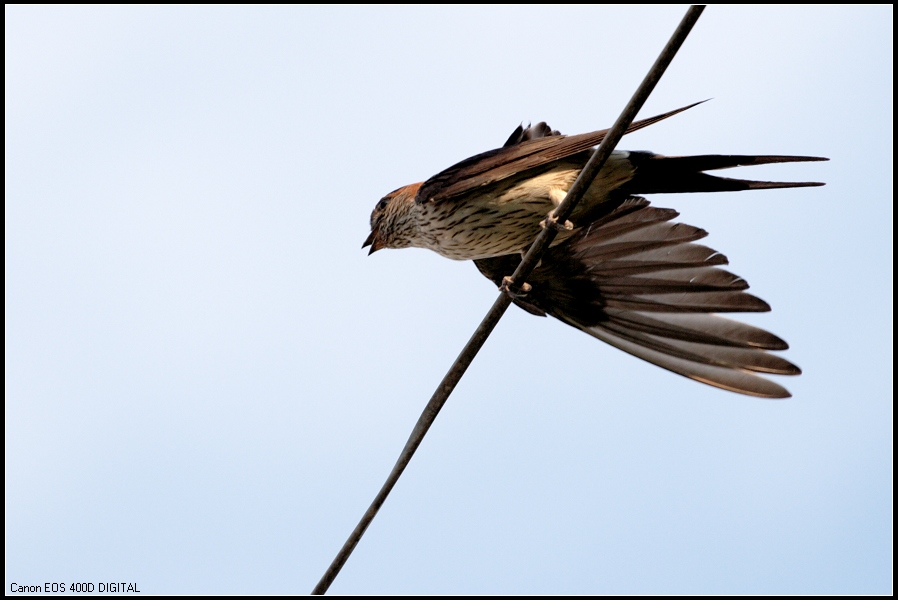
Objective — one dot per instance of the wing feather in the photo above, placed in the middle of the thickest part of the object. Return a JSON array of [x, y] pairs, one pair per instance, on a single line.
[[637, 281]]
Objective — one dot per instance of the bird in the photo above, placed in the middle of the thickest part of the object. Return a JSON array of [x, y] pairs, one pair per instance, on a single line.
[[619, 270]]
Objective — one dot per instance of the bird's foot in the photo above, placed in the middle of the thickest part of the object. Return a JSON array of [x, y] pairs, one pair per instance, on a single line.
[[552, 221], [512, 290]]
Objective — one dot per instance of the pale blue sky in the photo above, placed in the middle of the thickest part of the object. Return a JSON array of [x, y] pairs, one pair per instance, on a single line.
[[207, 380]]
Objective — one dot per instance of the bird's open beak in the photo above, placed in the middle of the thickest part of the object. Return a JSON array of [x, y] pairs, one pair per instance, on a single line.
[[373, 241]]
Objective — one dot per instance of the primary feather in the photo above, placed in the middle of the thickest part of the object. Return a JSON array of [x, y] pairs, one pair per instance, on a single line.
[[637, 281]]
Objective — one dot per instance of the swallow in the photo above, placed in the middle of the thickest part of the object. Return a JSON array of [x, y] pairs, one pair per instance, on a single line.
[[619, 270]]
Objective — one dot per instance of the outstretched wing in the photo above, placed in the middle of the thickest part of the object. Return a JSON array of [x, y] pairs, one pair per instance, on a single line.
[[521, 153], [640, 283]]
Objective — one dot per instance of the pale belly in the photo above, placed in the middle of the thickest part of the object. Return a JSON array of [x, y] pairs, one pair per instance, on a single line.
[[504, 218], [473, 232]]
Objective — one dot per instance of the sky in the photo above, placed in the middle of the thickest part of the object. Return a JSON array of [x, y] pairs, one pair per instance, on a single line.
[[208, 380]]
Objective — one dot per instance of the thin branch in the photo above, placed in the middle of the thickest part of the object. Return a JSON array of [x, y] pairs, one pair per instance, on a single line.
[[531, 259]]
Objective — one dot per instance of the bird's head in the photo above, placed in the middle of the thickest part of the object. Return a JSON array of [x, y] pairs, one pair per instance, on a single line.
[[393, 222]]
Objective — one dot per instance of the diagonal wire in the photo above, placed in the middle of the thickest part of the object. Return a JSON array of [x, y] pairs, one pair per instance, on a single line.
[[531, 259]]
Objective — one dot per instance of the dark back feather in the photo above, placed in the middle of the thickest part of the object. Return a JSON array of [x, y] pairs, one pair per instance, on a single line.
[[533, 132], [519, 155]]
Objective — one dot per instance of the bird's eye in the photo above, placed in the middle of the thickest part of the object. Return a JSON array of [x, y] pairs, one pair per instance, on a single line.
[[382, 204]]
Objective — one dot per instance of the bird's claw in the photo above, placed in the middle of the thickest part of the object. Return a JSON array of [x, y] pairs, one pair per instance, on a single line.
[[514, 292], [552, 221]]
